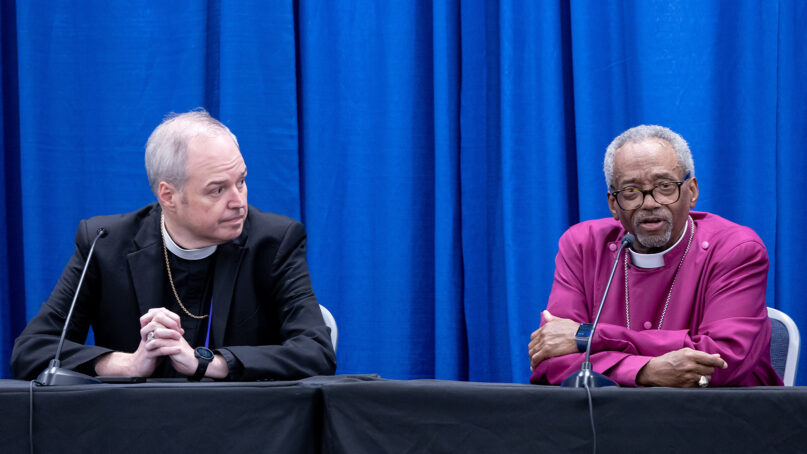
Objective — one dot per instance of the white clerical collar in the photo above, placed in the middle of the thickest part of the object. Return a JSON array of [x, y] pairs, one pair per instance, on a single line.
[[654, 260], [187, 254]]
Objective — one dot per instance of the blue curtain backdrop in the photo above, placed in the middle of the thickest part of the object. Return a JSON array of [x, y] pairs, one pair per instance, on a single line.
[[435, 150]]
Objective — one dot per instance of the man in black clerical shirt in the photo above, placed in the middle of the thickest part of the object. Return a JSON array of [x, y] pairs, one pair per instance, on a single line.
[[199, 284]]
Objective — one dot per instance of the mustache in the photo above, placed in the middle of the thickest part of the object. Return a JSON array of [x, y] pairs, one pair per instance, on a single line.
[[241, 213], [642, 215]]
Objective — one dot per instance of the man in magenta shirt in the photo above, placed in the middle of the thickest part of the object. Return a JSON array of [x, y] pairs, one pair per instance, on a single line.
[[687, 304]]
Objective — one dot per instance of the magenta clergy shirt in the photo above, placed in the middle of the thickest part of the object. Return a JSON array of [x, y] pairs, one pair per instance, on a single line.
[[717, 303]]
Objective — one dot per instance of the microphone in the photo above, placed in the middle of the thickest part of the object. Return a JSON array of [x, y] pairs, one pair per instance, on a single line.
[[55, 375], [586, 377]]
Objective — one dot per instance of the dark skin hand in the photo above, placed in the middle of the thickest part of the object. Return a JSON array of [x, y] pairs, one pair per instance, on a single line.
[[679, 368], [554, 338]]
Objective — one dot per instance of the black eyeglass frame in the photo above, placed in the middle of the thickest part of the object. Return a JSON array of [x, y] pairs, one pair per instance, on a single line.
[[650, 191]]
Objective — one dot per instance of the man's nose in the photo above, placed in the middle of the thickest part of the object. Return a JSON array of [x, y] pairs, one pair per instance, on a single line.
[[649, 202], [238, 199]]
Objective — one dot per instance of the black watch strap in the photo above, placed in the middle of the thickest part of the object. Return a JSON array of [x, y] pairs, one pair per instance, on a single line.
[[205, 357], [583, 333]]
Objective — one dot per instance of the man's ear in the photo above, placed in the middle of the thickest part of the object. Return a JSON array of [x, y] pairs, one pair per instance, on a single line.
[[612, 205], [693, 192], [168, 196]]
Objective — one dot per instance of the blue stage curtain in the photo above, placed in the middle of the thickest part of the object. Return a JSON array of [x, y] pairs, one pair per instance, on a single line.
[[435, 150]]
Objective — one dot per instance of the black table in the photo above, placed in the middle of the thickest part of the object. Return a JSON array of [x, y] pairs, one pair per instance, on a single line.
[[437, 416], [162, 417], [366, 414]]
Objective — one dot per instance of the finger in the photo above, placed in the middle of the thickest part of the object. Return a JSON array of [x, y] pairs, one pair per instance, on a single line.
[[725, 364], [153, 312], [533, 343], [713, 360], [149, 315], [145, 330], [537, 343], [547, 316], [149, 328], [703, 370], [539, 337], [146, 318], [536, 359], [167, 350], [159, 331], [162, 310], [693, 380], [164, 333], [166, 320], [535, 333], [159, 344]]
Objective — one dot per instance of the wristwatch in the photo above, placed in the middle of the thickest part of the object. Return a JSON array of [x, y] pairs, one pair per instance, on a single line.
[[205, 357], [583, 333]]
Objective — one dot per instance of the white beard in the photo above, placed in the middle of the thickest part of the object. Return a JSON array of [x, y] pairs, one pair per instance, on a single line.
[[653, 241]]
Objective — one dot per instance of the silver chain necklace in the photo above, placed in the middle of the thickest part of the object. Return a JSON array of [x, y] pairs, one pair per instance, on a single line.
[[675, 275]]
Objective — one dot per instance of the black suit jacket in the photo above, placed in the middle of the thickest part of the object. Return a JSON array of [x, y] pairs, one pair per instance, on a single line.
[[266, 320]]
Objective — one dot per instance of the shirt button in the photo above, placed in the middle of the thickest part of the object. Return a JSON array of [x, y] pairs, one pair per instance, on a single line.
[[705, 245], [648, 325], [612, 247]]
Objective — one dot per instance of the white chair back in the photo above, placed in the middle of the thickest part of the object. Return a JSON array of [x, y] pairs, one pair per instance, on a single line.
[[331, 323], [785, 345]]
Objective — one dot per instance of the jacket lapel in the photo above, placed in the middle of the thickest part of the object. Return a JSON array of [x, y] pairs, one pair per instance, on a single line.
[[228, 262], [147, 268], [146, 263]]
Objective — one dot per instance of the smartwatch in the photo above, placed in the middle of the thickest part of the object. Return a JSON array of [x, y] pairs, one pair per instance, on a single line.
[[205, 357], [582, 336]]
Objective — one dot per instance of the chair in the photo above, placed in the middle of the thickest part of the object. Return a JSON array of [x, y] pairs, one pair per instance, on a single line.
[[330, 322], [785, 345]]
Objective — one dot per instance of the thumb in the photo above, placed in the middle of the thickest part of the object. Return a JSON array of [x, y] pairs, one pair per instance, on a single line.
[[547, 316]]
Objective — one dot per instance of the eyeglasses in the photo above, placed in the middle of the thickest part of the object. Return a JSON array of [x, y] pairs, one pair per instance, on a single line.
[[664, 193]]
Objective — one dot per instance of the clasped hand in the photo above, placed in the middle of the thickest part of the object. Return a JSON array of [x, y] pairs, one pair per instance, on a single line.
[[166, 340]]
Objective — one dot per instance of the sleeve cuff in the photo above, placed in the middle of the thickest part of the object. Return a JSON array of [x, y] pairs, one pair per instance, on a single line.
[[233, 364], [625, 371], [92, 353]]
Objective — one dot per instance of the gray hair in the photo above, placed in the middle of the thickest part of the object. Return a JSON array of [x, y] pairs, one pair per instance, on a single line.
[[641, 133], [167, 147]]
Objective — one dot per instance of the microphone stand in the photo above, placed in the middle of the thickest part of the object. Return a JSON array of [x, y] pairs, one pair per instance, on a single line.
[[55, 375], [586, 377]]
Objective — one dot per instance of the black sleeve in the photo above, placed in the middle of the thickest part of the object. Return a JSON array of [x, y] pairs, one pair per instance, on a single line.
[[37, 344], [306, 347]]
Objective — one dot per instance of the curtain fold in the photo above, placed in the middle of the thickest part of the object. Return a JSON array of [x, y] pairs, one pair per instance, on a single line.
[[435, 151], [12, 258], [781, 194], [450, 332]]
